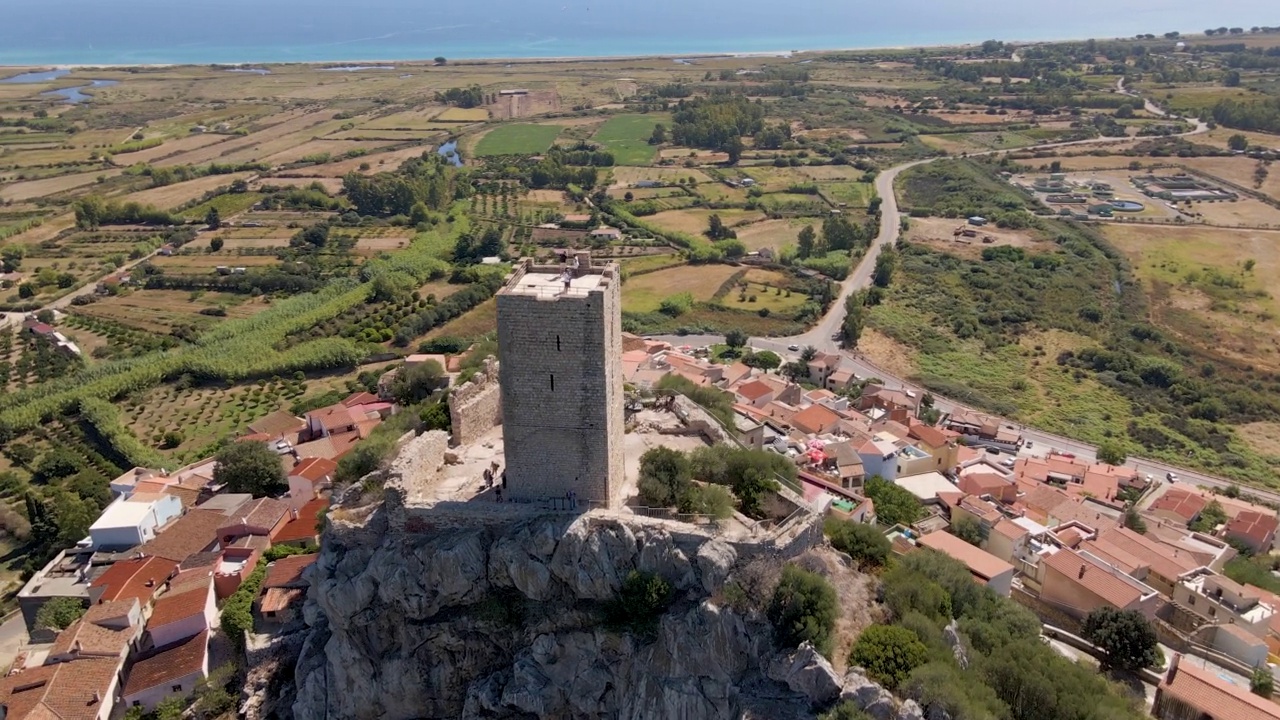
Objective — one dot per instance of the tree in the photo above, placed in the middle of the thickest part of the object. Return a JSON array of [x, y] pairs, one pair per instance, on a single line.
[[762, 360], [1210, 517], [11, 257], [1111, 452], [808, 353], [665, 476], [1134, 521], [733, 148], [1262, 682], [805, 242], [888, 653], [885, 265], [969, 530], [851, 325], [895, 505], [1125, 111], [213, 219], [249, 467], [436, 417], [1231, 78], [440, 60], [803, 609], [1125, 636], [716, 229], [864, 543], [846, 710], [1238, 142], [59, 612], [172, 439], [415, 383], [736, 339], [216, 244], [659, 135]]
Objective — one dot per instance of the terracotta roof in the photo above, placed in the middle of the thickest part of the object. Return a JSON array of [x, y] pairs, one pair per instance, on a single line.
[[287, 572], [1162, 559], [1184, 504], [983, 483], [1096, 578], [980, 562], [981, 508], [334, 446], [815, 419], [168, 664], [280, 422], [137, 578], [1009, 529], [927, 434], [90, 637], [304, 526], [63, 691], [277, 599], [365, 398], [334, 416], [259, 513], [1257, 527], [187, 601], [314, 469], [186, 536], [1216, 698], [1070, 537], [754, 390]]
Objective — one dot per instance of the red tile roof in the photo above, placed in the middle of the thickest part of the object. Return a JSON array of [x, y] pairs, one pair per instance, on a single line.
[[980, 562], [754, 390], [186, 536], [1097, 579], [1216, 698], [64, 691], [984, 483], [1009, 529], [1182, 503], [1256, 527], [303, 527], [334, 417], [815, 419], [314, 469], [137, 578], [287, 572], [96, 633], [929, 435], [168, 664], [187, 601]]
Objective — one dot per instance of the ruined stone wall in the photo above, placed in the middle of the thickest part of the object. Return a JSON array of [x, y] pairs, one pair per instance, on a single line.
[[562, 393], [476, 407]]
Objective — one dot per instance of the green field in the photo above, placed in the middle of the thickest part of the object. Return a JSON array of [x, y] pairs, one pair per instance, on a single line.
[[627, 137], [518, 139], [227, 204]]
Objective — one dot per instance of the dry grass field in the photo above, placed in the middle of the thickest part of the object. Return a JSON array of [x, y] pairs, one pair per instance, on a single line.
[[333, 148], [33, 189], [1246, 212], [174, 147], [628, 176], [202, 264], [160, 310], [463, 115], [1199, 288], [376, 162], [775, 234], [282, 131], [645, 293], [937, 233], [695, 222], [170, 196], [1238, 170]]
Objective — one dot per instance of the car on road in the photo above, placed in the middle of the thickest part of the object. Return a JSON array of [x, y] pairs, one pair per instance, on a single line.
[[993, 451], [793, 348], [1069, 456], [1029, 444], [1171, 477], [1007, 462]]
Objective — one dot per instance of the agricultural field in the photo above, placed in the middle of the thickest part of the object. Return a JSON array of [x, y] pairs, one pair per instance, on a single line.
[[695, 222], [645, 293], [629, 176], [159, 311], [517, 139], [774, 234], [464, 115], [1199, 289], [627, 137]]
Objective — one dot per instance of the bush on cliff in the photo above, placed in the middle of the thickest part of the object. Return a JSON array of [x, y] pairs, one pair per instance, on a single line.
[[803, 608], [642, 600]]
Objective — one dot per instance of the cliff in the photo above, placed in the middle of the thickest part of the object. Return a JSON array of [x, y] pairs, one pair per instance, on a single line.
[[453, 610]]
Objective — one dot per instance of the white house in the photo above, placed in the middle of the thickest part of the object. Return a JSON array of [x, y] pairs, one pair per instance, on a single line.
[[308, 478], [186, 610], [169, 671], [129, 523]]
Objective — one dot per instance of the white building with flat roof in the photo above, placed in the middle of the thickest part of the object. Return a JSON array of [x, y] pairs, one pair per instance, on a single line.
[[129, 523]]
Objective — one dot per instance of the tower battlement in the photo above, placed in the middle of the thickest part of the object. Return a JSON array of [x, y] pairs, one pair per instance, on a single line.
[[560, 348]]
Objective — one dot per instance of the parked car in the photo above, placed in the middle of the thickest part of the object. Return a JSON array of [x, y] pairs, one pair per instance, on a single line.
[[793, 348], [1007, 462], [993, 451]]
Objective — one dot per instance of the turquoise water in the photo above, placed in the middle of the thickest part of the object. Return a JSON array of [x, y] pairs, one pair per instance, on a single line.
[[52, 32]]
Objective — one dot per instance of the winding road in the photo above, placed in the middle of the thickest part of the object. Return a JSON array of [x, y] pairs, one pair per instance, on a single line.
[[824, 336]]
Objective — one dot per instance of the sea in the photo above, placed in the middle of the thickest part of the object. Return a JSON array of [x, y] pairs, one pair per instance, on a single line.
[[100, 32]]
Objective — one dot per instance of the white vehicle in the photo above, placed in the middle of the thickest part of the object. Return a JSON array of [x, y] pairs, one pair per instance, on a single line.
[[1007, 462], [911, 394], [793, 348], [1171, 477]]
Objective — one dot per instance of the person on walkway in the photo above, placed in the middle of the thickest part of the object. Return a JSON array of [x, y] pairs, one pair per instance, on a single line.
[[488, 478], [504, 479], [499, 494]]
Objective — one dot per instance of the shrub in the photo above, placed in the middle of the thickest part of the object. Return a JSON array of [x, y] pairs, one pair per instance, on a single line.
[[864, 543], [1125, 636], [803, 609], [237, 612], [642, 600], [665, 476], [59, 613], [677, 304], [888, 653]]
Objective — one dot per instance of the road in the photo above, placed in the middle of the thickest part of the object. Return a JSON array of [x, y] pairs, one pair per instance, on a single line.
[[824, 337], [13, 635], [88, 288]]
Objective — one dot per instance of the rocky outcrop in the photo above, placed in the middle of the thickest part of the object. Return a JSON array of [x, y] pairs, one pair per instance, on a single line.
[[951, 634], [487, 617], [475, 620]]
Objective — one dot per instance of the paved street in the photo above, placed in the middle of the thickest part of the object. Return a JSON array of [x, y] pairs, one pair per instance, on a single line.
[[13, 634], [823, 335]]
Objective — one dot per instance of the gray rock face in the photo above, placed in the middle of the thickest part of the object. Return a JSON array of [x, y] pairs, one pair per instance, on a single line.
[[951, 634], [715, 560], [807, 672], [868, 695], [910, 710]]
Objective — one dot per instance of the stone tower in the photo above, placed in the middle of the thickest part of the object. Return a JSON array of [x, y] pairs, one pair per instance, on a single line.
[[560, 350]]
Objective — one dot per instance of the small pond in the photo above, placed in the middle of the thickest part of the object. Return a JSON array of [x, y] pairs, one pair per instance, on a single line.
[[450, 151]]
